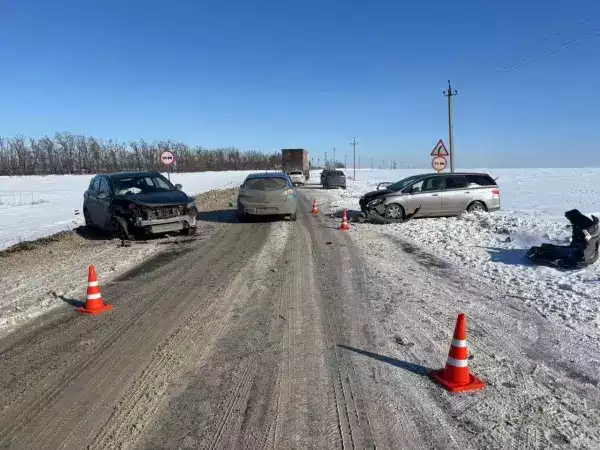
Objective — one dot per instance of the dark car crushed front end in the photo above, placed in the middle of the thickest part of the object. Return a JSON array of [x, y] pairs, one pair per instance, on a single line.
[[158, 215], [135, 204]]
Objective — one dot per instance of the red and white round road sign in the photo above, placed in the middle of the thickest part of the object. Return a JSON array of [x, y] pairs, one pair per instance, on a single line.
[[439, 163], [167, 158]]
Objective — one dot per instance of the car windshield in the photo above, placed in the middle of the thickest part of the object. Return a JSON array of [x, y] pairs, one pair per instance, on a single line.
[[266, 184], [399, 185], [141, 184]]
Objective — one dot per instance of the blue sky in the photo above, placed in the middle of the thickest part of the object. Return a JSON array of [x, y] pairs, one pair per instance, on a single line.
[[312, 74]]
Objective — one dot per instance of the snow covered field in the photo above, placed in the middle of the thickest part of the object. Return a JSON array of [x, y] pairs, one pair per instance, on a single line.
[[533, 204], [34, 207]]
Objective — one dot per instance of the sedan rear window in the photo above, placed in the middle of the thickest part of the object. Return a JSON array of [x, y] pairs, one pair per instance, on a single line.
[[296, 173], [266, 184]]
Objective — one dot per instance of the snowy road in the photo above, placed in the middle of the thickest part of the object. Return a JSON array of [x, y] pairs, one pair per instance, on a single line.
[[296, 335]]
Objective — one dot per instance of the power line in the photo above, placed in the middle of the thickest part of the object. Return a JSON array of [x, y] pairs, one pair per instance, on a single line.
[[566, 30], [591, 34]]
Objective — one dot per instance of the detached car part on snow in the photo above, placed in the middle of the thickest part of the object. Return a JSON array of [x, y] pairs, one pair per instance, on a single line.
[[139, 203], [373, 216], [581, 252]]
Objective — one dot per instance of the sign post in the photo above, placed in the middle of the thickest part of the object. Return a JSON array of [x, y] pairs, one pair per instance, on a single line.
[[168, 159], [439, 163], [439, 153]]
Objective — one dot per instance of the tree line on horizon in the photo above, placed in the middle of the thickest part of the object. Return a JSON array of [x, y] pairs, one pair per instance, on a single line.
[[66, 153]]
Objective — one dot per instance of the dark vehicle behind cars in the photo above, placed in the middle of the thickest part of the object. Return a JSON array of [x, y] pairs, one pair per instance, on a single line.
[[334, 178], [431, 195], [324, 175], [136, 203], [267, 194]]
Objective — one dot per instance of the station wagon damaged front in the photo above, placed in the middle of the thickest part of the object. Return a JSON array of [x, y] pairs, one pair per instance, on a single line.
[[433, 195]]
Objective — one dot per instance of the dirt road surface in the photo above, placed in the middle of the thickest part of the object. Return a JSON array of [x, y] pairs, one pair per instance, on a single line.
[[294, 335]]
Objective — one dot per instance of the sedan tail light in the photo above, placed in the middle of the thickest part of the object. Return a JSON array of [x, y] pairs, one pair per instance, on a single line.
[[496, 192]]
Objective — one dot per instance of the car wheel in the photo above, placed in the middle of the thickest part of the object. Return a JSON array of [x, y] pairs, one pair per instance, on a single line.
[[394, 212], [120, 228], [87, 218], [476, 207], [189, 231], [294, 217]]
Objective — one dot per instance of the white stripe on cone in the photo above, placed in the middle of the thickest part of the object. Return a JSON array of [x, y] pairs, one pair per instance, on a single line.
[[92, 283], [94, 296], [459, 343], [458, 362]]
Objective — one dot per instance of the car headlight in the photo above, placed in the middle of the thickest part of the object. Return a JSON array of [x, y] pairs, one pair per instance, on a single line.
[[377, 201]]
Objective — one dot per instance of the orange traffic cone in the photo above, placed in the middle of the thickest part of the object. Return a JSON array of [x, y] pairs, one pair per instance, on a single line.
[[344, 226], [315, 210], [93, 303], [456, 377]]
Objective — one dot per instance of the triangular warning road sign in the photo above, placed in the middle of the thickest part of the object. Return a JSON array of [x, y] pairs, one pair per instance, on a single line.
[[440, 149]]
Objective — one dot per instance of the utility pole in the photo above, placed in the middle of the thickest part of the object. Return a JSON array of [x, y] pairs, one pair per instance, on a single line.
[[372, 164], [450, 93], [345, 161], [326, 160], [334, 157], [353, 144]]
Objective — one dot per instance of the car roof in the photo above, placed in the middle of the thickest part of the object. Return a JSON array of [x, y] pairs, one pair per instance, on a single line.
[[254, 176], [449, 174], [121, 175]]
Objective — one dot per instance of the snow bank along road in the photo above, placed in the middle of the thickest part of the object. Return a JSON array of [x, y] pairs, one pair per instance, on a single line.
[[296, 335]]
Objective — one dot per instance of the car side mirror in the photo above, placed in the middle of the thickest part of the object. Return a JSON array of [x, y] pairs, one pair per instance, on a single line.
[[178, 187], [103, 195], [415, 189]]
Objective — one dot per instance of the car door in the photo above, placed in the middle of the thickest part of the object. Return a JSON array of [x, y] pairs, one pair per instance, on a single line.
[[103, 201], [455, 195], [426, 194], [90, 201]]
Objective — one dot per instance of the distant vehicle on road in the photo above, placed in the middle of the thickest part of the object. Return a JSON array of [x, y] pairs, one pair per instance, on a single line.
[[293, 159], [324, 175], [334, 178], [267, 194], [132, 204], [431, 195], [297, 177]]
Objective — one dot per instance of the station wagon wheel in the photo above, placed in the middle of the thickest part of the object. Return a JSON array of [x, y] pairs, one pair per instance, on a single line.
[[476, 207], [395, 212]]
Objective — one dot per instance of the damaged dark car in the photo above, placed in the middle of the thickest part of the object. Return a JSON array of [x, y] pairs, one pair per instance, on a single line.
[[582, 251], [135, 204]]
